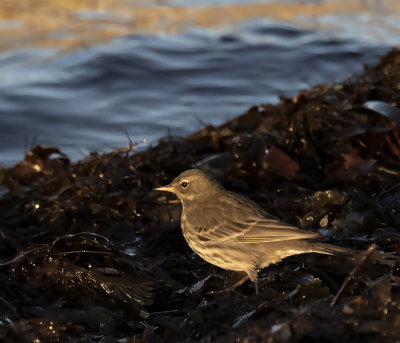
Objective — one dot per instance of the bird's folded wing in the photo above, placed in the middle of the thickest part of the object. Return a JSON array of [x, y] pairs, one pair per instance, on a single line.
[[240, 220], [261, 231], [270, 230]]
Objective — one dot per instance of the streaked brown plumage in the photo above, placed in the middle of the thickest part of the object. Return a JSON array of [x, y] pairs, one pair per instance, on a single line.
[[234, 233]]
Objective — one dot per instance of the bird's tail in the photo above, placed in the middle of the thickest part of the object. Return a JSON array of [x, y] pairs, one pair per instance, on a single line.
[[374, 254], [329, 249]]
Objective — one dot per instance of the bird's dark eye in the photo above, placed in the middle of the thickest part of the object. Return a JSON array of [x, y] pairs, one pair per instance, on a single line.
[[184, 184]]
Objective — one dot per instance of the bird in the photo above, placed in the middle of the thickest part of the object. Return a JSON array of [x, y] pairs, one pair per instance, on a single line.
[[234, 233]]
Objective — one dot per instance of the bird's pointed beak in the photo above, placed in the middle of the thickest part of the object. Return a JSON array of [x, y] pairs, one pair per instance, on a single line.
[[167, 188]]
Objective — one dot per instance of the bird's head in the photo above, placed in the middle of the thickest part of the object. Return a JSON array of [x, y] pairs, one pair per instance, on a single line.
[[192, 184]]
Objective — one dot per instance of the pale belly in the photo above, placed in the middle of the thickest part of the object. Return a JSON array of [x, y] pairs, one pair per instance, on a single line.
[[229, 256]]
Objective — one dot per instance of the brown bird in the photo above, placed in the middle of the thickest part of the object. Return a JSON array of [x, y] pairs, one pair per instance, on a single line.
[[234, 233]]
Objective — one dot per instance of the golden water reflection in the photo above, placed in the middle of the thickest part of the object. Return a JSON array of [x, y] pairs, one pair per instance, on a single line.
[[71, 24]]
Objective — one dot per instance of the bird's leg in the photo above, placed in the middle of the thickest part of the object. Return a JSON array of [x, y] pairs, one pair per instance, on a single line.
[[256, 284], [240, 282], [233, 287], [253, 275]]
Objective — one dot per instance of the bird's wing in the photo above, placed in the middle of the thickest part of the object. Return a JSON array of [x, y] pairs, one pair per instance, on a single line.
[[270, 230], [242, 221], [256, 231]]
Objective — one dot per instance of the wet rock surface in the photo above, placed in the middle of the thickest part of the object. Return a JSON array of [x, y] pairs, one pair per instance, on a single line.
[[88, 252]]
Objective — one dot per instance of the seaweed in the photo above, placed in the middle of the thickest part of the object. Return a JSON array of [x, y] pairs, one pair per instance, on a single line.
[[89, 252]]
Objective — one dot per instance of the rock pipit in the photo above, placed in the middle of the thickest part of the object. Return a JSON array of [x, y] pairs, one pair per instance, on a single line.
[[234, 233]]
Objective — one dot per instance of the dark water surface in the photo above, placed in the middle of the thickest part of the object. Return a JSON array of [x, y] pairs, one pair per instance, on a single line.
[[154, 85]]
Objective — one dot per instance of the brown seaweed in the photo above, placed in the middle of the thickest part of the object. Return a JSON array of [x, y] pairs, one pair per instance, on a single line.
[[89, 253]]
